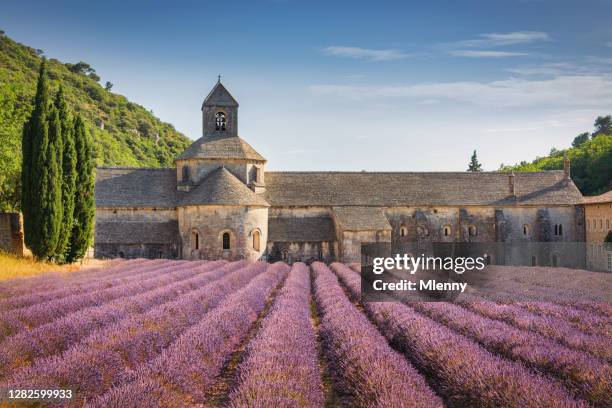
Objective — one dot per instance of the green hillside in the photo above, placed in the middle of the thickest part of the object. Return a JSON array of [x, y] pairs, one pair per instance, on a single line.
[[591, 163], [124, 133]]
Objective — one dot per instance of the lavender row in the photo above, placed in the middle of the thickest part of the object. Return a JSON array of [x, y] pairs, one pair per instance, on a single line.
[[183, 373], [131, 274], [583, 374], [55, 280], [557, 329], [580, 319], [54, 337], [15, 321], [106, 357], [282, 364], [365, 366], [465, 373]]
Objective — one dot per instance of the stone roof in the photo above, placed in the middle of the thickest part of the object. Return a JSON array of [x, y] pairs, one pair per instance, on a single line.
[[221, 187], [600, 199], [136, 187], [231, 147], [361, 219], [137, 232], [301, 229], [417, 189], [219, 96]]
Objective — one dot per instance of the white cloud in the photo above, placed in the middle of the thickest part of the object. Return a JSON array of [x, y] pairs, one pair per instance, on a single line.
[[502, 39], [574, 91], [365, 53], [486, 54]]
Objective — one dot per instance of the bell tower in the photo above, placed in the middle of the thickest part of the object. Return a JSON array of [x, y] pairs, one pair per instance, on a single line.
[[219, 114]]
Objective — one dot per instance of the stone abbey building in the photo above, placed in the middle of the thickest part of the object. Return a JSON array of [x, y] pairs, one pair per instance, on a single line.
[[220, 202]]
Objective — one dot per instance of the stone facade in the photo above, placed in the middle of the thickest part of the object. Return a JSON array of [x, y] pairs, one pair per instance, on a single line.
[[598, 214], [219, 202]]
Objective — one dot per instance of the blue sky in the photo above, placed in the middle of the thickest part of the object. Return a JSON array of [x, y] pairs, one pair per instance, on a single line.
[[351, 85]]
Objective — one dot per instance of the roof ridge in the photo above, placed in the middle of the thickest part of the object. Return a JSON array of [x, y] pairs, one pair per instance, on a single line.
[[134, 168], [409, 172]]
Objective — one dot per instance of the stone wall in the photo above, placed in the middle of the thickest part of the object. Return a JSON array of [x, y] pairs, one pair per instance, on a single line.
[[212, 221], [290, 252], [11, 233], [598, 224]]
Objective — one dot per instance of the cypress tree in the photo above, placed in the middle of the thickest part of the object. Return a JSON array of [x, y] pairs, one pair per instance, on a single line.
[[84, 205], [34, 144], [69, 175], [474, 164], [50, 208]]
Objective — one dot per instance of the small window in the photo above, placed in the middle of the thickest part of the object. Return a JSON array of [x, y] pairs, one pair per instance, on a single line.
[[607, 223], [121, 254], [555, 260], [526, 231], [220, 122], [487, 259], [534, 260], [446, 231], [226, 240], [403, 231], [185, 174], [195, 240], [600, 224], [284, 255], [256, 240], [472, 231]]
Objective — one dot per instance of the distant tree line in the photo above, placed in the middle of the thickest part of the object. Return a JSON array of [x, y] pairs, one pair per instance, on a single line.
[[590, 155], [57, 179]]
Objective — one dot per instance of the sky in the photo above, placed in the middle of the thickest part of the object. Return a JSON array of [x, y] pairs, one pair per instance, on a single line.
[[350, 85]]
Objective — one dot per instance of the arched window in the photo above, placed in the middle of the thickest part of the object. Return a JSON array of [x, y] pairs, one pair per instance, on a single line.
[[446, 231], [256, 240], [526, 230], [195, 239], [560, 229], [588, 224], [403, 231], [284, 255], [185, 174], [472, 230], [555, 260], [220, 121], [226, 240]]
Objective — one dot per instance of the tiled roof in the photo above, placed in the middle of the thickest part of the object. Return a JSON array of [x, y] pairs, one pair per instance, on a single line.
[[231, 147], [417, 189], [602, 198], [361, 218], [301, 229], [136, 187], [220, 96], [220, 187], [136, 232]]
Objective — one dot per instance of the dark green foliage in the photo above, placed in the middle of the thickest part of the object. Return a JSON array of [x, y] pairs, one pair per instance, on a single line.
[[69, 175], [474, 165], [84, 205], [608, 238], [35, 143], [115, 122], [50, 214], [591, 164], [603, 125], [108, 85], [580, 139]]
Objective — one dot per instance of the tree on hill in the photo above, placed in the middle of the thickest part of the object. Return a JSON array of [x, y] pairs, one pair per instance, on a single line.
[[474, 165], [108, 85], [581, 138], [84, 206], [603, 125]]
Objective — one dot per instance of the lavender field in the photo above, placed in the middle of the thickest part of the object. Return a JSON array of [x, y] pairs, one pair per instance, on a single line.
[[160, 333]]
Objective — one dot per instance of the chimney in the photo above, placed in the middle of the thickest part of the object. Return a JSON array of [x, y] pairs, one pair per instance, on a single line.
[[566, 169], [511, 184]]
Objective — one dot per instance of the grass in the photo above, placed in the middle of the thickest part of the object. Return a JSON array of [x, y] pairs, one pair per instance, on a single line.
[[12, 266]]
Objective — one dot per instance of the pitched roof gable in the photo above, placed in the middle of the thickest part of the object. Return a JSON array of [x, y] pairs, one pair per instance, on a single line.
[[219, 96]]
